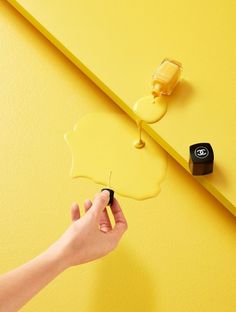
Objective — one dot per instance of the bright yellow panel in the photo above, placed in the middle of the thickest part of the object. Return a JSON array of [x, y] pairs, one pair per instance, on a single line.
[[119, 44], [179, 252]]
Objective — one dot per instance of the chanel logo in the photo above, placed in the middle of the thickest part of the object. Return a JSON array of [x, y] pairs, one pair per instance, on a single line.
[[201, 152]]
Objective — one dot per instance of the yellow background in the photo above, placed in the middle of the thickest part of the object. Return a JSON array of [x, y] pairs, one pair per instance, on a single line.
[[179, 253], [119, 45]]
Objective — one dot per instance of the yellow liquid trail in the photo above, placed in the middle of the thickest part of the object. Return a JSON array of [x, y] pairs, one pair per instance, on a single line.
[[140, 143], [102, 142], [149, 110]]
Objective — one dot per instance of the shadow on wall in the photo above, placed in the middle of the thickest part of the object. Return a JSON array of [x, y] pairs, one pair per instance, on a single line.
[[122, 285], [182, 94]]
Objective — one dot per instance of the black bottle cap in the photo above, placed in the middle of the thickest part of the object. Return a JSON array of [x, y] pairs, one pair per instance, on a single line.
[[201, 159]]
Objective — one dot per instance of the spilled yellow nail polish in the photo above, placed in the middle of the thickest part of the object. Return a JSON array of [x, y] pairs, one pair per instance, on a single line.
[[102, 142]]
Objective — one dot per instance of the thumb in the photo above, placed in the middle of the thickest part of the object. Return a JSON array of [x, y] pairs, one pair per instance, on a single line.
[[100, 202]]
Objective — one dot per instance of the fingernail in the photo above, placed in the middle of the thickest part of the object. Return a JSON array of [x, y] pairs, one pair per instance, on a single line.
[[75, 205], [106, 192]]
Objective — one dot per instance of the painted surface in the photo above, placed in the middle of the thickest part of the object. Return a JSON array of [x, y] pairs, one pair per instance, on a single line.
[[119, 45], [179, 252]]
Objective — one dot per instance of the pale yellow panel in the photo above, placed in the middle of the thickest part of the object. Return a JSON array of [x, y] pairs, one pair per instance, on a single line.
[[118, 44], [179, 252]]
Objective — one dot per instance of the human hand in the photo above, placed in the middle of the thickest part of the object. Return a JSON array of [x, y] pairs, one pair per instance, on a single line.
[[91, 236]]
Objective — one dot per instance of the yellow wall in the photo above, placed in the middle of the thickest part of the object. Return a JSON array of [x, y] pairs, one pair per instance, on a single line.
[[179, 253], [119, 45]]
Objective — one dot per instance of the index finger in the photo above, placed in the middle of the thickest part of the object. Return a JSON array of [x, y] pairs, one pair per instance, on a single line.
[[120, 221]]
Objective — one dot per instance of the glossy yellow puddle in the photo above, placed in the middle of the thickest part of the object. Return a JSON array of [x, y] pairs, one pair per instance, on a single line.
[[102, 143]]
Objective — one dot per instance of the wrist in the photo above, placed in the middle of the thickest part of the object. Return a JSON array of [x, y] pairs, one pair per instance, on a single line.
[[57, 256]]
